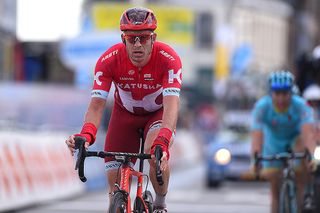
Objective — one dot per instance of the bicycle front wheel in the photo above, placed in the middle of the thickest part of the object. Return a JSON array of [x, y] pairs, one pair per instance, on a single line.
[[139, 204], [118, 203], [288, 202], [147, 197]]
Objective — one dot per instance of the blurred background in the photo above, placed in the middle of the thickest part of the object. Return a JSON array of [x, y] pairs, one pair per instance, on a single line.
[[48, 50]]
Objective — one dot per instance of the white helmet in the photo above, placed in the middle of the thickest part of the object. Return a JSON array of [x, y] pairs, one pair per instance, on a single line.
[[316, 52], [312, 92]]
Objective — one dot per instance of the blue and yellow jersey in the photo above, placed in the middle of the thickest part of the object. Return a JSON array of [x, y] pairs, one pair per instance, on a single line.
[[280, 129]]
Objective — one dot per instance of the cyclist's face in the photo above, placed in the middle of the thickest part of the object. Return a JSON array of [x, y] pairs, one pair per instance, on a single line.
[[139, 46], [281, 99]]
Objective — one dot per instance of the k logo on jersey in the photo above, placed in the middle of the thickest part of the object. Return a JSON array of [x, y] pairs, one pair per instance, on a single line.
[[96, 77], [173, 76]]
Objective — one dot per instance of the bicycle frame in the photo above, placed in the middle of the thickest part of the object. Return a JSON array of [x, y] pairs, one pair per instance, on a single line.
[[126, 174], [288, 186], [126, 171]]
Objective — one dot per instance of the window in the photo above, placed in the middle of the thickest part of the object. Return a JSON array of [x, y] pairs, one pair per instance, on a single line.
[[204, 30]]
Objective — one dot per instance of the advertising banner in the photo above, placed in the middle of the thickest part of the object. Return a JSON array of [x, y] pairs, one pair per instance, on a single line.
[[35, 168], [175, 24]]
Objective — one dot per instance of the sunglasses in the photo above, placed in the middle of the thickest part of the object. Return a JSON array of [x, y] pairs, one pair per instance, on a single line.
[[142, 38], [282, 92]]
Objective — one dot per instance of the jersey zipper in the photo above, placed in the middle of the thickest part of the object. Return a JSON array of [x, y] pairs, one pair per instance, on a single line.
[[139, 82]]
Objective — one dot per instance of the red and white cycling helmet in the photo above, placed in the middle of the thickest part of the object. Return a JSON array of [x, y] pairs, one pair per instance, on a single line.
[[138, 18]]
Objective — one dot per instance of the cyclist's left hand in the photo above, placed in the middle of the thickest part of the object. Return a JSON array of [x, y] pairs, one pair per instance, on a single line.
[[161, 141], [164, 162]]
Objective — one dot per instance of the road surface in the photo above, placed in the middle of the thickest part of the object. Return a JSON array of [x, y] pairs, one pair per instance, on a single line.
[[187, 194]]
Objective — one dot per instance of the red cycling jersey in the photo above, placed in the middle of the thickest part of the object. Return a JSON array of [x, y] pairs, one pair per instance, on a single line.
[[138, 90]]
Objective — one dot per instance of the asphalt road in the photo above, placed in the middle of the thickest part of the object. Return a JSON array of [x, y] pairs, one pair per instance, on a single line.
[[187, 194]]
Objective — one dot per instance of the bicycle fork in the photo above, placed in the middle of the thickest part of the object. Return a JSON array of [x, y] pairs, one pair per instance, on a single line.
[[125, 184]]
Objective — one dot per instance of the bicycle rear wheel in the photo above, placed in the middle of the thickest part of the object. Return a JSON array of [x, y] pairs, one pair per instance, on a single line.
[[118, 203], [288, 202]]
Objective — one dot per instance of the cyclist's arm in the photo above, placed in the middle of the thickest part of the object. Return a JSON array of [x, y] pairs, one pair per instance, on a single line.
[[170, 111], [95, 111], [308, 136], [307, 128], [256, 141], [258, 114], [171, 83], [91, 121]]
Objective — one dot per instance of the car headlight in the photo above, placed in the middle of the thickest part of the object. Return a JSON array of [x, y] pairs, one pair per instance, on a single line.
[[316, 153], [223, 156]]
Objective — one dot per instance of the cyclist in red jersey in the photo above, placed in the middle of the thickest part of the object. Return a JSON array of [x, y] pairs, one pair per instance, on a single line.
[[147, 75]]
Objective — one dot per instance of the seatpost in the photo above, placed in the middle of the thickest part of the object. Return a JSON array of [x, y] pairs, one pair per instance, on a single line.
[[141, 149]]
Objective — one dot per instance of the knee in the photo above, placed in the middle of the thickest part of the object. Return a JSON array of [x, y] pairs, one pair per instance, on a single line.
[[274, 178], [271, 175]]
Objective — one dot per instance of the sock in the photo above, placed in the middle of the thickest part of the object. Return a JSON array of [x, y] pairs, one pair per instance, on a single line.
[[160, 201]]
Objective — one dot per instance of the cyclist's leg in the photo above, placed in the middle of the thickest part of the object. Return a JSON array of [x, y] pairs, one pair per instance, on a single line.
[[152, 129], [122, 136], [273, 175], [302, 174], [271, 170]]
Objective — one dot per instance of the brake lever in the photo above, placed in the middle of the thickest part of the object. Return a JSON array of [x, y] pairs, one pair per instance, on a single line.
[[81, 156], [158, 155]]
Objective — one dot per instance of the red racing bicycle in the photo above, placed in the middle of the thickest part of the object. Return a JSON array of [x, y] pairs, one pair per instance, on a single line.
[[121, 200]]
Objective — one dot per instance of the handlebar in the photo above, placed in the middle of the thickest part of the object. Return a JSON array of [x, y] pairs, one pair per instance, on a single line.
[[83, 153], [281, 156], [285, 156]]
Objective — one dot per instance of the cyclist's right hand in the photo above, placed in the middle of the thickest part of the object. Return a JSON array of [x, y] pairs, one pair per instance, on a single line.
[[71, 142]]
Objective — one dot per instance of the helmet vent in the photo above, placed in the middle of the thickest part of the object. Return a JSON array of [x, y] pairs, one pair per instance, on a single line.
[[137, 17]]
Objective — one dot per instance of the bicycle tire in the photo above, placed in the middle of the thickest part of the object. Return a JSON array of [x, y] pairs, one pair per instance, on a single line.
[[288, 203], [118, 203], [147, 199], [138, 206]]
